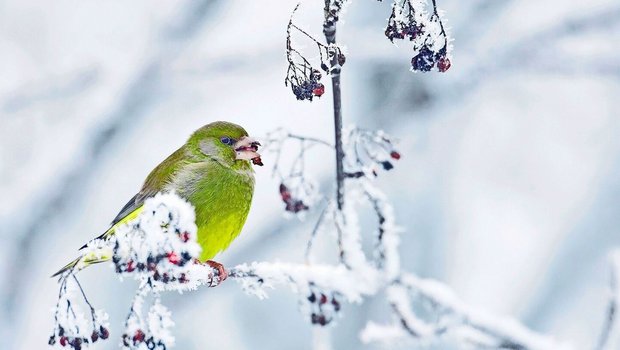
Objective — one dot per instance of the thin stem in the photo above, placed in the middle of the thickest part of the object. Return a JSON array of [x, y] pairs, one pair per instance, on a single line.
[[329, 29]]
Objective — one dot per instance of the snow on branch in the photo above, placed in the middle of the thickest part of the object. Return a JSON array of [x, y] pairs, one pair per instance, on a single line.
[[159, 250]]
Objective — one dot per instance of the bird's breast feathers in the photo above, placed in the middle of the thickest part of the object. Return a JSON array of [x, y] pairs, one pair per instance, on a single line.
[[221, 197]]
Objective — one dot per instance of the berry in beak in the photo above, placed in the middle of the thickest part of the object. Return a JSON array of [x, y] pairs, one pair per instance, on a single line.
[[247, 149]]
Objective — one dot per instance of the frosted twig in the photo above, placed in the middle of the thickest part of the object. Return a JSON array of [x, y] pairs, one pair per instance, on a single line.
[[611, 314]]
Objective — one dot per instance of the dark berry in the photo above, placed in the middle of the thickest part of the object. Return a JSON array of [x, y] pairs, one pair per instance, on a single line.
[[341, 59], [52, 340], [94, 336], [312, 298], [424, 60], [77, 343], [336, 304], [323, 299], [104, 333], [316, 75], [324, 67], [387, 165], [63, 341]]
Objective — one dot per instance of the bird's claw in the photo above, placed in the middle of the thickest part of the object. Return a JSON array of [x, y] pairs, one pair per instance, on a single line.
[[221, 271]]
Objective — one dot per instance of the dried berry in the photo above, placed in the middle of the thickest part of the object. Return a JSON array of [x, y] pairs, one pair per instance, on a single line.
[[285, 193], [341, 59], [104, 333], [424, 60], [443, 64]]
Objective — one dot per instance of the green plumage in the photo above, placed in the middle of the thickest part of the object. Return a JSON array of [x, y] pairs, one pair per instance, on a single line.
[[206, 172]]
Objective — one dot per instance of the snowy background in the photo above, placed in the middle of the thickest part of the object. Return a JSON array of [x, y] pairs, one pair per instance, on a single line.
[[508, 186]]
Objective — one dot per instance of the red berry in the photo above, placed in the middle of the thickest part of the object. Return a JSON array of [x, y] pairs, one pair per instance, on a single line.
[[323, 299], [138, 337], [443, 64], [395, 155], [319, 90], [130, 266], [173, 258], [183, 278], [63, 340], [94, 336], [185, 236]]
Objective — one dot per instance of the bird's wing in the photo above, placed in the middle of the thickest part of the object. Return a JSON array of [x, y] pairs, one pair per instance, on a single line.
[[155, 182]]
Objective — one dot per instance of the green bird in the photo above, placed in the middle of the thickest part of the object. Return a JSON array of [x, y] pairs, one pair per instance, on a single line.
[[213, 171]]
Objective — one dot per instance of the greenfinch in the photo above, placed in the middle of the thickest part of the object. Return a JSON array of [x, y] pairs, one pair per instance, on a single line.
[[212, 171]]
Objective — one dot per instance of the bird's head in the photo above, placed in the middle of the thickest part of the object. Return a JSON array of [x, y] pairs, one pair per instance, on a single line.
[[225, 142]]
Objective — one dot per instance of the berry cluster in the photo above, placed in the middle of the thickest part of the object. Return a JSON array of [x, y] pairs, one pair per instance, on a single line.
[[324, 306], [166, 256], [76, 342], [400, 30], [308, 88], [139, 337], [427, 34], [426, 59]]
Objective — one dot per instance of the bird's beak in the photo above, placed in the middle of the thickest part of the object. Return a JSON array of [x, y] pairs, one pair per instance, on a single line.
[[247, 149]]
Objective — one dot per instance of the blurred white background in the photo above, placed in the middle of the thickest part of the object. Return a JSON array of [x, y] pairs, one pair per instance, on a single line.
[[508, 187]]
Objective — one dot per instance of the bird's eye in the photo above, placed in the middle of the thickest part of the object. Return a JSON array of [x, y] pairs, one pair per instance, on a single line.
[[227, 141]]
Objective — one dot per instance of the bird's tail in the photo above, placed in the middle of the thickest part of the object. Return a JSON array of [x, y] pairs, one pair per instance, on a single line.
[[94, 256]]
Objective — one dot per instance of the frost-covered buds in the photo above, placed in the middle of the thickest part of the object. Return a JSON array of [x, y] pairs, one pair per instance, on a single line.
[[323, 305], [160, 245]]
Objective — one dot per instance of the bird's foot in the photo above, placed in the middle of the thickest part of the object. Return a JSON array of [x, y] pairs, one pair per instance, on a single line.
[[221, 271]]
